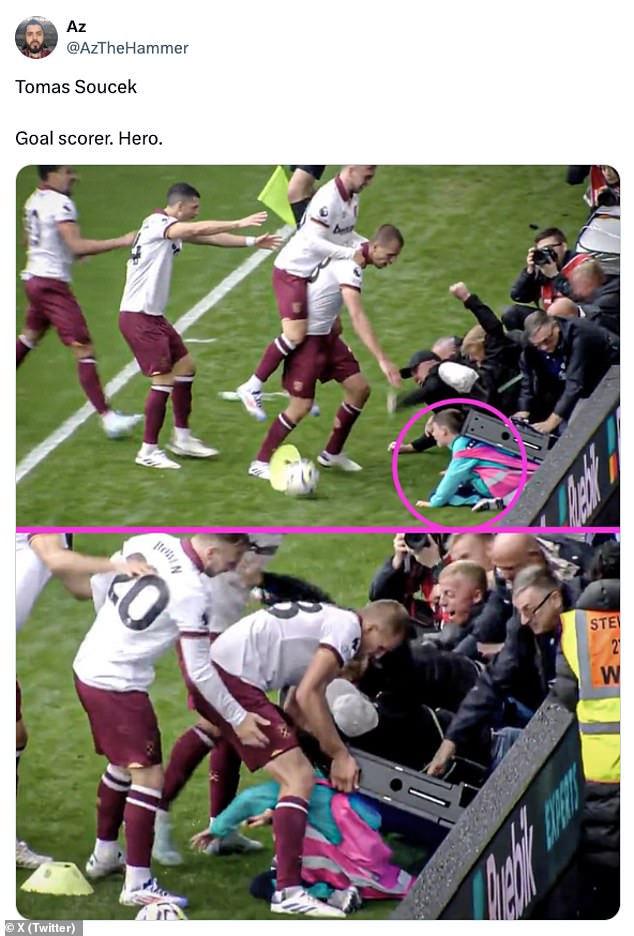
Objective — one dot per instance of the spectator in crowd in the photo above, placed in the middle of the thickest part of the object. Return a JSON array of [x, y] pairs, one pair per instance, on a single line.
[[598, 295], [494, 353], [476, 471], [301, 188], [604, 185], [407, 576], [427, 370], [598, 859], [474, 547], [448, 348], [463, 592], [549, 263], [519, 678], [562, 363]]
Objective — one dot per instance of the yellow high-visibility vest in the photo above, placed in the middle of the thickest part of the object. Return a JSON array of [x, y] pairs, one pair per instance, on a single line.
[[591, 644]]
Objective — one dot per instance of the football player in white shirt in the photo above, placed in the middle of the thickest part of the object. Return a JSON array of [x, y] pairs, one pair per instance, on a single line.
[[326, 233], [54, 241], [228, 596], [304, 645], [38, 557], [114, 667], [158, 348], [324, 356]]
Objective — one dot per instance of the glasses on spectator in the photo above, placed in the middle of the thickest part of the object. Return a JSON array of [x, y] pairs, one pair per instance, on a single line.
[[530, 615]]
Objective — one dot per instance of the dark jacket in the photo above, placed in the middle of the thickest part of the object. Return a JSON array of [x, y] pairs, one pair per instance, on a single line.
[[604, 305], [502, 361], [451, 636], [528, 286], [585, 352], [404, 585], [435, 390]]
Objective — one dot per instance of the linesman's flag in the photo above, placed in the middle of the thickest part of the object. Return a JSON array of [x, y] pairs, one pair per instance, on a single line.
[[274, 196]]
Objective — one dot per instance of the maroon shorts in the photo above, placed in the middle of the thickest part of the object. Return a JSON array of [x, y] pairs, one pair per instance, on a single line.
[[291, 294], [280, 733], [51, 302], [123, 725], [319, 357], [191, 701], [153, 340], [18, 702]]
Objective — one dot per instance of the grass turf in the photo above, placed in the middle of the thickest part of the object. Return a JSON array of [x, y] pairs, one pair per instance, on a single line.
[[468, 223], [60, 771]]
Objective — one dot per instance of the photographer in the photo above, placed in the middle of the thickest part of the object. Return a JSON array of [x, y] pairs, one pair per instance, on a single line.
[[549, 264], [408, 576]]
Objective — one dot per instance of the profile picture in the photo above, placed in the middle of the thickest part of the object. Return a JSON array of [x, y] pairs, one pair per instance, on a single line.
[[36, 37]]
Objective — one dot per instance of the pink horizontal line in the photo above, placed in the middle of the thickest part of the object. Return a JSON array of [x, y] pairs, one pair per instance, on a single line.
[[127, 531]]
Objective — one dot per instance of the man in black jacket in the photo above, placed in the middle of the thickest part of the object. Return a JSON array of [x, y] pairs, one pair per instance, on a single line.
[[523, 670], [549, 263], [598, 296], [563, 362]]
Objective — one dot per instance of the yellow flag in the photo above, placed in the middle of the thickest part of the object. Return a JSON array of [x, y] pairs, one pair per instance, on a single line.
[[274, 195]]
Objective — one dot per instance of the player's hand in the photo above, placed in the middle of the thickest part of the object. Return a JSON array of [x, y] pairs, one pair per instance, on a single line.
[[248, 731], [391, 446], [391, 371], [441, 758], [133, 566], [269, 241], [262, 819], [459, 291], [254, 220], [423, 504], [344, 772], [201, 840], [128, 239]]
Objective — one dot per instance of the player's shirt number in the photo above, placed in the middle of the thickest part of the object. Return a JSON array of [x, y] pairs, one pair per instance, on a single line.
[[288, 609], [139, 604]]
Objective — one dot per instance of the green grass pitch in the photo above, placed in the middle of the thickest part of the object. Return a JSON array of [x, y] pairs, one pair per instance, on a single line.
[[59, 771], [460, 223]]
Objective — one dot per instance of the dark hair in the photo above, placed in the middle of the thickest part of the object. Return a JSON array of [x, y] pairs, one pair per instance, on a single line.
[[550, 232], [44, 171], [233, 539], [387, 233], [181, 191], [451, 419], [606, 562]]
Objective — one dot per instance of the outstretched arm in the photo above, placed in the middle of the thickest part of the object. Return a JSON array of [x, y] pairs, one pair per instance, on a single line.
[[82, 247], [361, 325]]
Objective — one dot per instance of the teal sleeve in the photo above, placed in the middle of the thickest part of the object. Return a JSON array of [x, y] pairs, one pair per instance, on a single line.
[[459, 471], [249, 803]]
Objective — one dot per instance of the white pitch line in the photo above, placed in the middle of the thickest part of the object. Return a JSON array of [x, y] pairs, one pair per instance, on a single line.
[[65, 431]]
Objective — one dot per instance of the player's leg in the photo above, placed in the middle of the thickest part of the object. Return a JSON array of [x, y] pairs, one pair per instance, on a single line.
[[291, 294], [224, 779], [184, 370], [25, 857], [187, 753], [36, 321], [344, 368], [296, 777], [149, 341], [301, 371]]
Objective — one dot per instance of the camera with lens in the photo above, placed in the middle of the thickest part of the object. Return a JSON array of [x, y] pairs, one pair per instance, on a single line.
[[543, 255], [418, 541]]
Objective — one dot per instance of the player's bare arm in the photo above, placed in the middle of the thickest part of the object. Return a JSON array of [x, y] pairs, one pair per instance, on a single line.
[[310, 699], [263, 242], [82, 247], [186, 230], [361, 324]]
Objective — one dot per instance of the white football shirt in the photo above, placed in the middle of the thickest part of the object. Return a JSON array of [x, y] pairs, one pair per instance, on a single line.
[[47, 253], [31, 575], [149, 267], [324, 293], [273, 648], [327, 231]]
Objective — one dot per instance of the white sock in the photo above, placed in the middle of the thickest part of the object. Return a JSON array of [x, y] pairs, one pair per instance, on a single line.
[[136, 877], [254, 384], [162, 818], [148, 448], [182, 435], [106, 851]]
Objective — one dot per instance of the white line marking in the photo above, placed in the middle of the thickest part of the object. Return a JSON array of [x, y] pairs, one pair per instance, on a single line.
[[65, 431], [201, 340]]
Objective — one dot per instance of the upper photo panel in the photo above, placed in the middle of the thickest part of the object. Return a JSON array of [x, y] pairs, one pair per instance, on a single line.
[[318, 346]]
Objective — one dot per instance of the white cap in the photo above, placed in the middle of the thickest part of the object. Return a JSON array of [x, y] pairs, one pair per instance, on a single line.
[[353, 712], [457, 376]]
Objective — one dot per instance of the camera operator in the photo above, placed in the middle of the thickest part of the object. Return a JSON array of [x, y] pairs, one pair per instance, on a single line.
[[495, 354], [549, 264], [604, 185], [563, 362], [408, 576]]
